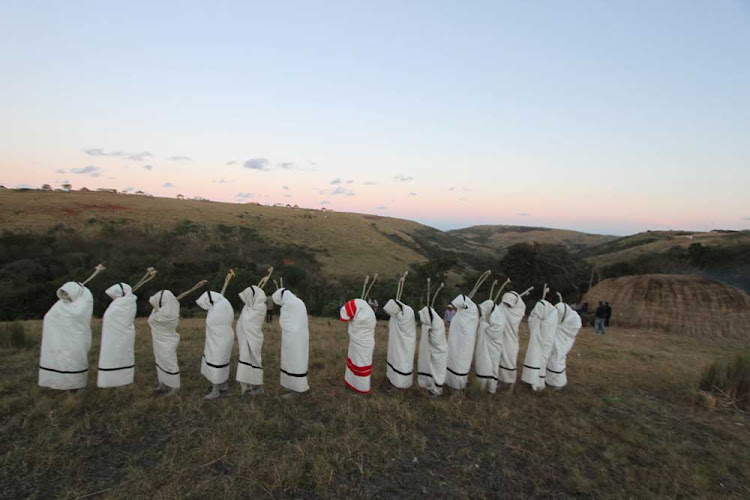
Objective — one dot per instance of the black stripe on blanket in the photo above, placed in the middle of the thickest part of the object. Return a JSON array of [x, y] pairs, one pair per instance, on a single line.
[[399, 372], [115, 369], [508, 369], [293, 374], [165, 371], [487, 376], [433, 378], [63, 371], [456, 373], [532, 367], [213, 365], [553, 371], [250, 365]]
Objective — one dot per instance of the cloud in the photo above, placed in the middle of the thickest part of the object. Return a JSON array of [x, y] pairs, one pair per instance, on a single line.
[[523, 214], [452, 188], [412, 194], [180, 158], [381, 207], [87, 170], [287, 196], [231, 162], [325, 202], [129, 188], [746, 218], [285, 188], [140, 156], [148, 167], [287, 165], [223, 181], [342, 191], [336, 181], [403, 178], [369, 183], [244, 195], [168, 185], [349, 181], [24, 186], [60, 171], [261, 164]]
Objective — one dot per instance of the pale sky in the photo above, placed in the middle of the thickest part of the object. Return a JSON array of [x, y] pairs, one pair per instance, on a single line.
[[610, 117]]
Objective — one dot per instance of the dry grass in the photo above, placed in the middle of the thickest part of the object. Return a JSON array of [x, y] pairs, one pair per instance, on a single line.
[[688, 305], [491, 238], [624, 428]]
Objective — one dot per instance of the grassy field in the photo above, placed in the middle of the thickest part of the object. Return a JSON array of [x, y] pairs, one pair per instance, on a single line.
[[626, 427]]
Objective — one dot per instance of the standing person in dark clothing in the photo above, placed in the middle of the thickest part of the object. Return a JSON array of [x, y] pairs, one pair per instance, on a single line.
[[269, 309], [600, 319], [609, 313]]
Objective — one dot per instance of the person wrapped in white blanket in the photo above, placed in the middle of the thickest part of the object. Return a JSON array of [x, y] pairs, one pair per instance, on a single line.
[[542, 330], [514, 309], [295, 341], [361, 318], [217, 350], [66, 338], [402, 340], [250, 337], [567, 329], [489, 341], [433, 347], [163, 320], [117, 350], [462, 335]]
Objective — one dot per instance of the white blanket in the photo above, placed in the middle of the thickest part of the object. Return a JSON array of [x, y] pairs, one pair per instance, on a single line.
[[514, 309], [217, 352], [295, 339], [66, 339], [542, 329], [433, 351], [163, 320], [489, 345], [362, 323], [250, 336], [567, 329], [117, 353], [462, 335], [402, 342]]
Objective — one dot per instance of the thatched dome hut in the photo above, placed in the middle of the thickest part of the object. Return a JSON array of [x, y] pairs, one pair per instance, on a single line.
[[687, 305]]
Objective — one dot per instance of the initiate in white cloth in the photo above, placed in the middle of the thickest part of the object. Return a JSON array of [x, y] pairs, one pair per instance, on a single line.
[[295, 339], [567, 329], [542, 330], [361, 329], [433, 348], [163, 320], [117, 352], [402, 340], [514, 310], [217, 351]]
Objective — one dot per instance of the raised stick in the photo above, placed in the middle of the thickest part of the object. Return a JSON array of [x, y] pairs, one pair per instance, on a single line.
[[229, 277], [432, 305], [198, 285], [367, 293], [501, 290], [263, 281], [151, 275], [99, 268]]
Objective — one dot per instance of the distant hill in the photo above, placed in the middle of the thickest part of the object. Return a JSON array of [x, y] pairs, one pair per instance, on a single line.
[[494, 239]]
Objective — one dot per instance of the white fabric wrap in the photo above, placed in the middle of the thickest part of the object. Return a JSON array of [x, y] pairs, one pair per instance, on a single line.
[[117, 350], [163, 320], [489, 345], [361, 344], [402, 342], [462, 335], [433, 351], [295, 340], [567, 329], [514, 310], [66, 339], [542, 329], [217, 352], [250, 336]]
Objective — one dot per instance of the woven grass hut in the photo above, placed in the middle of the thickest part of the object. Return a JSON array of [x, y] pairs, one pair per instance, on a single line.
[[687, 305]]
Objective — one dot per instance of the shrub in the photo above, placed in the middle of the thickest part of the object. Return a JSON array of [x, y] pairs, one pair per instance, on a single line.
[[730, 380], [13, 336]]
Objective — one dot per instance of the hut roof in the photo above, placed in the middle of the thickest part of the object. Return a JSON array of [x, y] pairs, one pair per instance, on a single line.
[[687, 305]]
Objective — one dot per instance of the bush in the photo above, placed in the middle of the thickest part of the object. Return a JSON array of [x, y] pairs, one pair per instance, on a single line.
[[13, 336], [730, 380]]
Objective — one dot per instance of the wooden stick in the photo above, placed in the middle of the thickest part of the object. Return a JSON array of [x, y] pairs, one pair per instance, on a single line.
[[559, 296], [528, 291], [367, 293], [501, 290], [143, 282], [364, 287], [428, 292], [148, 273], [229, 277], [265, 279], [195, 287], [544, 291], [99, 268], [479, 283], [432, 305], [492, 290]]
